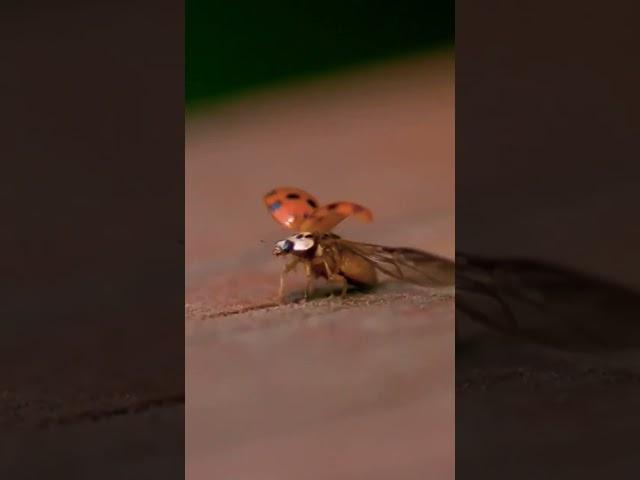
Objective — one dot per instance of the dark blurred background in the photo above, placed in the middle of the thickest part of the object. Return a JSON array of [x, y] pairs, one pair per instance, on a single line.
[[236, 46]]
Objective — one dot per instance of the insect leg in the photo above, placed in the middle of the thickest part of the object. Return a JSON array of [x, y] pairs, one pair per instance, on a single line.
[[327, 269], [309, 287], [343, 281], [336, 277], [288, 268]]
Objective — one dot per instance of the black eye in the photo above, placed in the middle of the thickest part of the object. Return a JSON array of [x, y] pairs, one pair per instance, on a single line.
[[288, 246], [311, 203]]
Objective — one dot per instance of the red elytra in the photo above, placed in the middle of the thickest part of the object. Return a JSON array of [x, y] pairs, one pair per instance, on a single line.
[[298, 210]]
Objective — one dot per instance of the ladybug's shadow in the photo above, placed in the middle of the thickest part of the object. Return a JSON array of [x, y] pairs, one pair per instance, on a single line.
[[329, 291], [545, 304], [325, 292]]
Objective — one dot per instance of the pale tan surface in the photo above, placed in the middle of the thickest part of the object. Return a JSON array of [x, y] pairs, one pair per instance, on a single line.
[[361, 388], [327, 390]]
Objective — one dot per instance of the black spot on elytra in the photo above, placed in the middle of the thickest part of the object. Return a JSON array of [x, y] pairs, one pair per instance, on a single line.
[[308, 235], [293, 196], [332, 206], [299, 235], [311, 203]]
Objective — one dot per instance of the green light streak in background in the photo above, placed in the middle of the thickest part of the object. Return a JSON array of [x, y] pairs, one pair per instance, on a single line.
[[235, 46]]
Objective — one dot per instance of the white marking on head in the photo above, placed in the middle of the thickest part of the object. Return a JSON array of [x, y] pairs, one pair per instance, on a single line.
[[302, 241]]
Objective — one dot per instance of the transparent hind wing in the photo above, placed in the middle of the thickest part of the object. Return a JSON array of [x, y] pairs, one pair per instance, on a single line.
[[405, 264]]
